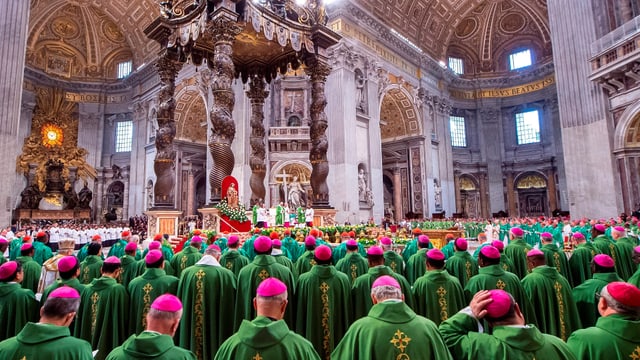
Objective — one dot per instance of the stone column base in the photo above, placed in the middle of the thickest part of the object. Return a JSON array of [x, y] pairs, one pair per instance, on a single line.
[[162, 222], [210, 219], [324, 217]]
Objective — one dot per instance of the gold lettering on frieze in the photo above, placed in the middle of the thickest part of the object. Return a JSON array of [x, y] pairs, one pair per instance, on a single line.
[[95, 98], [506, 92]]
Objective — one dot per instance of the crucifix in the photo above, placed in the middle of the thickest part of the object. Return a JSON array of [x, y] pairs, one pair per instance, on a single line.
[[284, 176]]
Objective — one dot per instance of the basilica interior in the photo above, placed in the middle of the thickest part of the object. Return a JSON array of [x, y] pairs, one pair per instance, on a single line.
[[364, 108]]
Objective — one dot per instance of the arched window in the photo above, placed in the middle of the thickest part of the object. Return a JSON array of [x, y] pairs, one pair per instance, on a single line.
[[520, 59]]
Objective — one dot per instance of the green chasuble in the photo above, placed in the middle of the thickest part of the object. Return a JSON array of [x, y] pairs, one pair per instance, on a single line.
[[394, 261], [322, 311], [604, 245], [150, 345], [353, 265], [282, 259], [254, 215], [517, 251], [635, 279], [580, 263], [552, 301], [264, 338], [556, 258], [279, 215], [417, 265], [74, 283], [412, 248], [31, 273], [507, 264], [339, 252], [144, 290], [117, 249], [584, 295], [625, 265], [14, 248], [295, 249], [46, 342], [506, 342], [208, 295], [185, 258], [494, 277], [392, 330], [41, 253], [262, 267], [90, 269], [129, 269], [438, 295], [361, 290], [248, 249], [103, 315], [614, 337], [17, 307], [305, 262], [449, 249], [463, 266], [233, 261]]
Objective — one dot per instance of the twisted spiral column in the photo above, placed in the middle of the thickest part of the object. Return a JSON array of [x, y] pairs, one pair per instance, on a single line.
[[257, 93], [319, 142]]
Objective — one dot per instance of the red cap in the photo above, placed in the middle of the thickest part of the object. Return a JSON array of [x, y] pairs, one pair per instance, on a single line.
[[233, 239], [153, 256], [214, 247], [314, 232], [26, 247], [125, 234], [256, 231], [535, 252], [322, 252], [26, 238], [154, 245], [287, 231], [604, 261], [577, 235], [416, 231], [423, 239], [462, 244], [131, 247], [262, 244], [449, 236], [274, 235], [310, 241], [67, 263], [96, 237], [500, 304], [385, 241], [352, 234], [64, 292], [375, 251], [271, 287], [157, 237], [546, 235], [167, 303], [197, 232], [351, 242], [490, 252], [600, 227], [435, 254], [498, 244], [516, 231], [386, 280], [112, 260], [624, 293], [41, 234], [195, 239], [8, 269], [276, 243], [344, 234]]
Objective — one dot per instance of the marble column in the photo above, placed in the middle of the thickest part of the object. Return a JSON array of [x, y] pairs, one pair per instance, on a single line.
[[125, 196], [164, 163], [319, 142], [397, 195], [191, 191], [257, 94], [223, 29], [14, 20], [551, 189], [456, 190], [511, 195], [626, 12], [484, 199]]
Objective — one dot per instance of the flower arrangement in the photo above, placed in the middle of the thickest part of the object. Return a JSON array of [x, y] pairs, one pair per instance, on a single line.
[[238, 214]]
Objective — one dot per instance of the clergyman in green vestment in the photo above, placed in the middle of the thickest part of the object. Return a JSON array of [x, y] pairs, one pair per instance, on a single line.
[[580, 261], [517, 252], [156, 341], [30, 268], [267, 336], [416, 264], [50, 339], [69, 270], [511, 336], [616, 334], [391, 330], [19, 305], [391, 258], [604, 272], [462, 265], [353, 264], [233, 259], [305, 261], [91, 266], [188, 256], [555, 256], [635, 278]]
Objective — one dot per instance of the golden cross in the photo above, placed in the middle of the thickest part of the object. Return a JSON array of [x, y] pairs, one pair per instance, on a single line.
[[636, 354], [441, 291], [147, 288], [557, 286], [257, 357], [324, 287], [500, 284], [400, 340], [263, 275], [200, 274]]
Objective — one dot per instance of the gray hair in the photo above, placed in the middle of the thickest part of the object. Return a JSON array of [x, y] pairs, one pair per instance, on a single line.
[[386, 292], [276, 298], [211, 251], [164, 315], [618, 306]]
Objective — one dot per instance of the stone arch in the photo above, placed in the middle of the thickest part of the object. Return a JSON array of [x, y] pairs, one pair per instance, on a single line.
[[300, 171], [399, 115], [531, 189], [470, 199], [191, 115], [626, 148], [627, 133]]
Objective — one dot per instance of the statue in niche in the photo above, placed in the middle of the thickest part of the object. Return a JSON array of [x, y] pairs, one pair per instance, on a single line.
[[437, 190], [117, 172], [361, 95], [364, 193], [296, 194], [70, 199], [30, 197], [149, 189], [84, 197]]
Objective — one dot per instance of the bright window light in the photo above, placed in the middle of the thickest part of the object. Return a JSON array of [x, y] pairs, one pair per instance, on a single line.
[[124, 69], [528, 127], [520, 59], [456, 65], [124, 136], [458, 131]]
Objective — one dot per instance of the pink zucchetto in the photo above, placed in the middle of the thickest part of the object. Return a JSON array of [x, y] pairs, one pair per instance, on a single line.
[[271, 287], [546, 235], [276, 243], [516, 231], [636, 249], [112, 260], [167, 303], [423, 239], [154, 245], [153, 256], [214, 247], [577, 235], [535, 252], [8, 269], [604, 261], [26, 247], [352, 242], [498, 245], [196, 239], [322, 252], [600, 227], [262, 244], [67, 263], [619, 229], [385, 280], [624, 293], [65, 292], [375, 251], [385, 241], [233, 239], [310, 241], [435, 254], [500, 304], [462, 244], [490, 252], [3, 240], [131, 247]]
